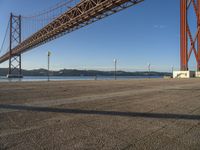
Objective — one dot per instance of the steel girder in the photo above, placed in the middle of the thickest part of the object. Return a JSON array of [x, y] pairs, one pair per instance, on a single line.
[[187, 38], [15, 39], [84, 13]]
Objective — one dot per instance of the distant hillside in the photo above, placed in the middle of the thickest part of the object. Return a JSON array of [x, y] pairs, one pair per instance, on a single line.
[[74, 72]]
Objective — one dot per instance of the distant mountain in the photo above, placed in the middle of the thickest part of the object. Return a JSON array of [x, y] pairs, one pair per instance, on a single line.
[[74, 72]]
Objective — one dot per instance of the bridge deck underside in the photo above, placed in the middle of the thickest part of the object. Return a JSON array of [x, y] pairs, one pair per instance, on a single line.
[[82, 14]]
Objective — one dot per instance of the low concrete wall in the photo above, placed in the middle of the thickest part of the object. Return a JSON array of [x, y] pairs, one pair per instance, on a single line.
[[184, 74], [197, 74]]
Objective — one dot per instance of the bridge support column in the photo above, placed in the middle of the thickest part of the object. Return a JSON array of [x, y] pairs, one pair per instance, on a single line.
[[15, 39], [183, 36], [198, 27], [189, 41]]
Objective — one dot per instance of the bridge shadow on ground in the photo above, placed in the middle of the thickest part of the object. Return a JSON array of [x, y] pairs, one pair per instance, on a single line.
[[101, 112]]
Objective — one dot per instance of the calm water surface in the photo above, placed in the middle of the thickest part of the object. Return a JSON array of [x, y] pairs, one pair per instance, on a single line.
[[59, 78]]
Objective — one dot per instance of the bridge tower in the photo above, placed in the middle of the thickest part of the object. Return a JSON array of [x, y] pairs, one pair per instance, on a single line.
[[15, 39], [188, 43]]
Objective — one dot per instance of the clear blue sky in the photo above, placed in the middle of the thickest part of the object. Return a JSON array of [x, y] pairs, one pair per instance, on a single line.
[[145, 33]]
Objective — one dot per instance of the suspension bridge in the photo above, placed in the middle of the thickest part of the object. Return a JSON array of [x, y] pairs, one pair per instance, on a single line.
[[27, 32]]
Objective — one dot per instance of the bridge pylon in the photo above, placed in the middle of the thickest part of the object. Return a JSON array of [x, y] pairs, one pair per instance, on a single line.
[[188, 42], [14, 70]]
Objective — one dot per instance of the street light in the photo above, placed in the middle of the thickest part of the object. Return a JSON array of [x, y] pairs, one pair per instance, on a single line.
[[115, 74], [149, 68], [172, 71], [48, 55]]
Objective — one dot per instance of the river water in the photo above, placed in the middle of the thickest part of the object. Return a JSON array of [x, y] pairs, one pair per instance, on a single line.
[[63, 78]]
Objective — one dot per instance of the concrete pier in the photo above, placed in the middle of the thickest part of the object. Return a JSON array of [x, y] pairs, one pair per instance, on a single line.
[[135, 114]]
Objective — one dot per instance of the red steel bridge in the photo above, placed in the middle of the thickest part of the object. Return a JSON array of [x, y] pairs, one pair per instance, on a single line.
[[27, 32]]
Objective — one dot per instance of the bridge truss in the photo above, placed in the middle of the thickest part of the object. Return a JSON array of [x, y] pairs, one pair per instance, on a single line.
[[82, 14], [188, 42]]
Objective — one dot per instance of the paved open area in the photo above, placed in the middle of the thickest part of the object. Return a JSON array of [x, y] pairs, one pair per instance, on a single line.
[[145, 114]]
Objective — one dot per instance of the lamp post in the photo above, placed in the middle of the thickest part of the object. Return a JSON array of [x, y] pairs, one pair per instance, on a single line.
[[172, 71], [149, 69], [115, 74], [48, 55]]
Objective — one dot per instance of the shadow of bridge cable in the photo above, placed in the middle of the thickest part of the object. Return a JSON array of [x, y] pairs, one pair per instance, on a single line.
[[101, 112]]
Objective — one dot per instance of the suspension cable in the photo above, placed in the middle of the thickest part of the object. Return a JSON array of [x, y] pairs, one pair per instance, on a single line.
[[5, 37], [57, 6]]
